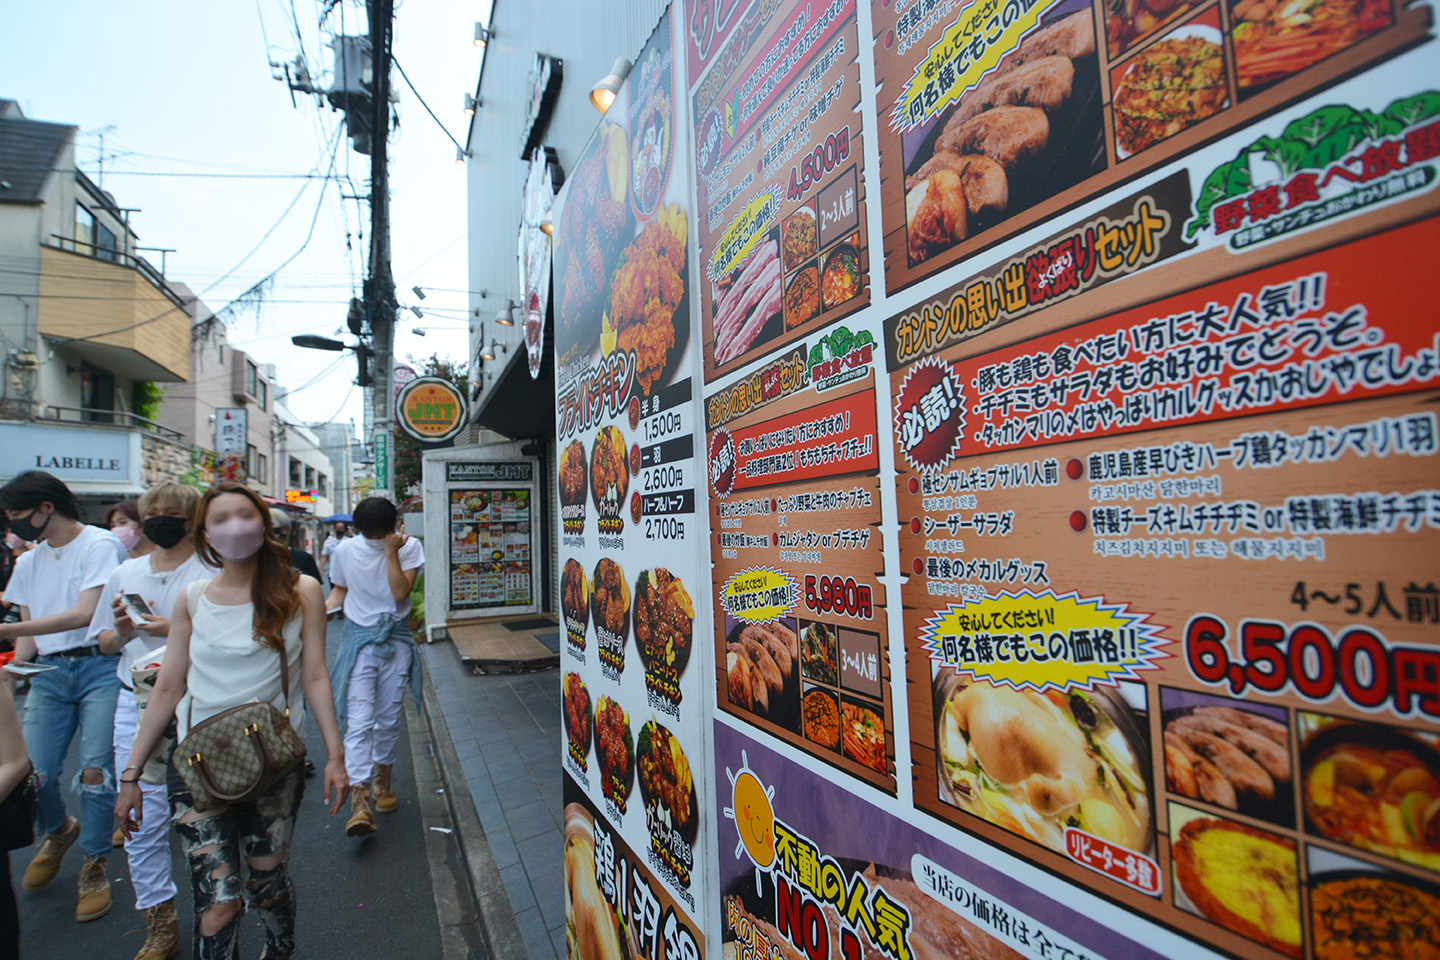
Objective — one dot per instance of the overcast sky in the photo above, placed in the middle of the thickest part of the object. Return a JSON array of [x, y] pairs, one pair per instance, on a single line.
[[188, 89]]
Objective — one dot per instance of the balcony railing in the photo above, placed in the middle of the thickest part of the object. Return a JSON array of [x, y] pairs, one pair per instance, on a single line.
[[119, 257], [115, 418]]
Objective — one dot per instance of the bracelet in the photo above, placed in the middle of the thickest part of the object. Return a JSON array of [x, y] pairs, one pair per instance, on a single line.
[[131, 767], [123, 780]]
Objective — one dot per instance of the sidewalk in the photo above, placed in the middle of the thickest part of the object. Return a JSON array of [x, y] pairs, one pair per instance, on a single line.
[[505, 729]]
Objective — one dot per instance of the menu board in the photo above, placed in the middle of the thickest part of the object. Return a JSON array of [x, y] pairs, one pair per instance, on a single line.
[[995, 117], [630, 532], [800, 621], [490, 548], [781, 200], [1072, 585]]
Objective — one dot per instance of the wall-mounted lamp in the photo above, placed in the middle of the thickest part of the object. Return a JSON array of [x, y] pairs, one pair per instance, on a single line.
[[482, 35], [505, 317], [603, 93], [418, 331], [489, 353], [547, 224], [419, 292], [461, 156], [417, 311], [470, 104]]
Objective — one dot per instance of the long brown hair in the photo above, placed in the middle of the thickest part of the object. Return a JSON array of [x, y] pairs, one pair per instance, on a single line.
[[275, 591]]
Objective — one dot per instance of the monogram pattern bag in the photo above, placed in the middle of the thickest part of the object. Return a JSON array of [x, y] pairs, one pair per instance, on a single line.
[[240, 753]]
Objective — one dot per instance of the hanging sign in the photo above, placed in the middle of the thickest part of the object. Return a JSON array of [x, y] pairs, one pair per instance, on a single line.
[[432, 410]]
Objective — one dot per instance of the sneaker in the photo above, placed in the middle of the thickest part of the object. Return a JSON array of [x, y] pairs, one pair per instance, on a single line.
[[46, 864], [162, 932], [117, 839], [94, 891], [362, 817], [385, 800]]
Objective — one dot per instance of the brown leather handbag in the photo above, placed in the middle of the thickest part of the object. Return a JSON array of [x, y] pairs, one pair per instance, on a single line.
[[241, 753]]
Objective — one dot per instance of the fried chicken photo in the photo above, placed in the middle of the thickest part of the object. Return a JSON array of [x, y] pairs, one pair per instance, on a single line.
[[646, 291]]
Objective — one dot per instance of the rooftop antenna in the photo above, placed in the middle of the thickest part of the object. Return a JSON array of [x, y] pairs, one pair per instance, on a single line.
[[100, 159]]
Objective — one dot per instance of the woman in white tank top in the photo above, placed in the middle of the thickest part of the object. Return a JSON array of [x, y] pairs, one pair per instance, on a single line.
[[226, 640]]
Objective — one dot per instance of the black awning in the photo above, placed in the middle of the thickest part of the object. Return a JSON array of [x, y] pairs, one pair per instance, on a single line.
[[519, 406]]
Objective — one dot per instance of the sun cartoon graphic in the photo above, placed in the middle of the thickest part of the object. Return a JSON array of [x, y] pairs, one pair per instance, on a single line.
[[753, 815]]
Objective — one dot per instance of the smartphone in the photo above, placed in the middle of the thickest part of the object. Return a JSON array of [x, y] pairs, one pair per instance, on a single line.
[[28, 669], [137, 608]]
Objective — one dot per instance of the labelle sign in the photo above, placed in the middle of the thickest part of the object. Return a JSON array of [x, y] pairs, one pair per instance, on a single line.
[[432, 410]]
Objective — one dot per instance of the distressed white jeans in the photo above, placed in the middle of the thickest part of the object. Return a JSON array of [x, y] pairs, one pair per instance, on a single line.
[[148, 849], [373, 706]]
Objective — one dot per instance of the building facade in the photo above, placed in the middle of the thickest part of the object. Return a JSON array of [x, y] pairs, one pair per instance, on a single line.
[[90, 328]]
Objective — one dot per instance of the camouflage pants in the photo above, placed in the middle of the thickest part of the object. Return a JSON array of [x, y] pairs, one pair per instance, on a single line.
[[241, 853]]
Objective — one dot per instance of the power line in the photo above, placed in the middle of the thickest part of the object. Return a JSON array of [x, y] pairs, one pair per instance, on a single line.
[[425, 105]]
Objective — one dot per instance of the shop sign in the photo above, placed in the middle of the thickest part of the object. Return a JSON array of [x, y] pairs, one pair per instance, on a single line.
[[301, 496], [69, 453], [432, 410], [470, 470], [230, 430], [535, 251], [541, 90]]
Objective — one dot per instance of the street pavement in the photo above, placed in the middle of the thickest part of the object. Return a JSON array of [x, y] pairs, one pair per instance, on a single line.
[[357, 898]]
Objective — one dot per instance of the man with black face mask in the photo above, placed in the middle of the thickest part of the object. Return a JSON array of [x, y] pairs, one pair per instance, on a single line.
[[159, 579], [57, 586]]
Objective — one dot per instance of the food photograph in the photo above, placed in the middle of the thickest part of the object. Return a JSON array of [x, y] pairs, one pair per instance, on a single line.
[[1030, 129], [748, 301], [575, 601], [1244, 879], [593, 929], [666, 783], [648, 309], [610, 602], [1229, 753], [664, 620], [1128, 22], [572, 474], [614, 750], [577, 715], [862, 734], [802, 296], [819, 653], [841, 279], [609, 472], [799, 236], [1372, 787], [820, 718], [1359, 911], [1275, 39], [1035, 763], [650, 147], [597, 215], [1169, 86], [760, 668]]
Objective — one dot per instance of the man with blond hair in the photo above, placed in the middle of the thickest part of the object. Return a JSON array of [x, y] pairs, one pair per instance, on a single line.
[[167, 513]]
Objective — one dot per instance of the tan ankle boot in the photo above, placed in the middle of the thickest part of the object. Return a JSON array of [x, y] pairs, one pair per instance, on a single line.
[[94, 899], [362, 817], [385, 800], [47, 859], [162, 933]]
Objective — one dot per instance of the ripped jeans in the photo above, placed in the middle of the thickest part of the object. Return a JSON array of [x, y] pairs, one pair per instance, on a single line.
[[216, 843], [78, 696]]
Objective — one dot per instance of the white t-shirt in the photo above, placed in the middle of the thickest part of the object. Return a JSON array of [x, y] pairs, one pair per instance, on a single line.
[[360, 569], [159, 590], [50, 581], [328, 547]]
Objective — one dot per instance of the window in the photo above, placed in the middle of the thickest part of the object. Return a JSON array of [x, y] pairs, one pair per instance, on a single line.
[[309, 478], [252, 457], [295, 475], [105, 247], [97, 394], [324, 486], [250, 378], [263, 473], [261, 392], [84, 230]]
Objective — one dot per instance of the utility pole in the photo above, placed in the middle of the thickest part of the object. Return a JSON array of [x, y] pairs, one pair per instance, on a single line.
[[381, 305]]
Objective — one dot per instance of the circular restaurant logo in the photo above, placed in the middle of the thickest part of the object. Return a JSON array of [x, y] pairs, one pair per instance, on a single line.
[[431, 410]]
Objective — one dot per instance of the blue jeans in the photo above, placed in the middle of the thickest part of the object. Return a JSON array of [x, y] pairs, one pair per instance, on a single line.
[[80, 692]]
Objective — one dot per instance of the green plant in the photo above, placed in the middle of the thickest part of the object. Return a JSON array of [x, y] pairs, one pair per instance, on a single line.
[[417, 600], [145, 399]]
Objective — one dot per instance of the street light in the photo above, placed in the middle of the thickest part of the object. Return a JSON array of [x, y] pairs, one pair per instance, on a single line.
[[311, 341]]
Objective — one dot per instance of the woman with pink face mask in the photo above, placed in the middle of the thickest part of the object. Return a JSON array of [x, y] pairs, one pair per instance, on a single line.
[[227, 637], [123, 520]]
